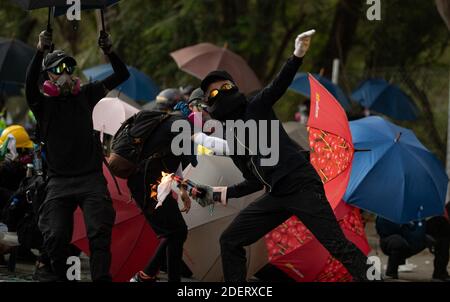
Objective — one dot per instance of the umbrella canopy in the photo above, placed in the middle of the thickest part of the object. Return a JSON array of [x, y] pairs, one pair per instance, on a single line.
[[110, 113], [139, 86], [301, 85], [398, 179], [15, 56], [133, 240], [294, 249], [298, 133], [35, 4], [330, 141], [200, 59], [382, 97], [86, 5], [202, 248]]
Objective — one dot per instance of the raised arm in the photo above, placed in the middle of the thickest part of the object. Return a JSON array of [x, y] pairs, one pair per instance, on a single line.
[[275, 90], [32, 92], [98, 90]]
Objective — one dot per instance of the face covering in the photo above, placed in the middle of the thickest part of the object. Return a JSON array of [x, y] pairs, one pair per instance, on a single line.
[[63, 86], [228, 105]]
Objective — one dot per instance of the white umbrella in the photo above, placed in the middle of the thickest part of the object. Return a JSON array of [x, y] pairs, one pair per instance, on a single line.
[[202, 248], [110, 113]]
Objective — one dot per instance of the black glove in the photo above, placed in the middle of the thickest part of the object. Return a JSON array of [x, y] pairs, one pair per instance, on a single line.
[[45, 41], [104, 42], [211, 195]]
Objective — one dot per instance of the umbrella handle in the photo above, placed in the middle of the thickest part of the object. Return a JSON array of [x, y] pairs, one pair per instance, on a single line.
[[49, 24], [102, 16]]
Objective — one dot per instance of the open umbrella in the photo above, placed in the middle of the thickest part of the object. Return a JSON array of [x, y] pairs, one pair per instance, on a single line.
[[398, 179], [200, 59], [301, 85], [15, 56], [294, 249], [330, 141], [57, 7], [133, 240], [110, 113], [139, 86], [382, 97], [202, 248]]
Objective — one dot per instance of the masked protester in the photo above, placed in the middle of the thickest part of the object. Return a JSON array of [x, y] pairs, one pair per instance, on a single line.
[[292, 186], [167, 220], [63, 109]]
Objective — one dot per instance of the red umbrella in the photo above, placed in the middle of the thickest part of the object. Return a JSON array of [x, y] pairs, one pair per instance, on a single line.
[[291, 246], [200, 59], [133, 240], [330, 141], [294, 249]]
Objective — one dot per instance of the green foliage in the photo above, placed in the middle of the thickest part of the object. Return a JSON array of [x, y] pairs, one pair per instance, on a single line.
[[410, 39]]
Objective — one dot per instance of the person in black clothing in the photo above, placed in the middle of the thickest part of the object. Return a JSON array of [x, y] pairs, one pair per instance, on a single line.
[[399, 242], [292, 186], [439, 230], [167, 221], [73, 154]]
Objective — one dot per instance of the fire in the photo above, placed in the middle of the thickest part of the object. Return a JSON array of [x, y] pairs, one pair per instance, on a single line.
[[154, 186]]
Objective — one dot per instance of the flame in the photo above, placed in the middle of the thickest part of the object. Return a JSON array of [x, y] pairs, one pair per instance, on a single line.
[[154, 186]]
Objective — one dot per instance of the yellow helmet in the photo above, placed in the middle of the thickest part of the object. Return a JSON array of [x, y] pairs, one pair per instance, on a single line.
[[20, 134]]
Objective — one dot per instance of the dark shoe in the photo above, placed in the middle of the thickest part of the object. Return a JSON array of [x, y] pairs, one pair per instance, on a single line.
[[43, 273], [143, 277], [392, 275]]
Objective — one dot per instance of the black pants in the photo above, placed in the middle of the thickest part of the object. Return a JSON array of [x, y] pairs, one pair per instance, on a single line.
[[311, 207], [439, 229], [398, 250], [168, 223], [64, 195]]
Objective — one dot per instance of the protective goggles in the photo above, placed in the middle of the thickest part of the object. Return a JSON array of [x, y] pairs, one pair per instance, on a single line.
[[215, 92], [58, 70]]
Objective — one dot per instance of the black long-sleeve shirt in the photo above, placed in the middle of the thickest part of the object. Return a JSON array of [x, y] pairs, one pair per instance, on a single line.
[[65, 122], [293, 169]]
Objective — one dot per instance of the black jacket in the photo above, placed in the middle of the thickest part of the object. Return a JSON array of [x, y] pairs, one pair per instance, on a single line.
[[292, 160], [65, 123]]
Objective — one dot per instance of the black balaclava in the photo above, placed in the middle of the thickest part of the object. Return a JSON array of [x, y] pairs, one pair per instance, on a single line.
[[227, 105]]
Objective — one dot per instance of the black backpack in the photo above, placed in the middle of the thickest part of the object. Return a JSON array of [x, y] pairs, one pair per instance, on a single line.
[[23, 211], [127, 143]]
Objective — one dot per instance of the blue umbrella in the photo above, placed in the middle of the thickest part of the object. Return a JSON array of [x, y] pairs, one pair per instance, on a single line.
[[301, 85], [382, 97], [139, 86], [398, 178], [10, 89]]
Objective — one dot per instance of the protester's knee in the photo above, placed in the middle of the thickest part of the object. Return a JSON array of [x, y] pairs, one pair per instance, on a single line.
[[226, 240]]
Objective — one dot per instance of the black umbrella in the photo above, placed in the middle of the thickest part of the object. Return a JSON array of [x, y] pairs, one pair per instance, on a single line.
[[61, 5], [15, 56]]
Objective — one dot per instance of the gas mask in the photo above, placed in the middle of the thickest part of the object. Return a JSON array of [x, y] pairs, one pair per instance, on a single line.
[[63, 86]]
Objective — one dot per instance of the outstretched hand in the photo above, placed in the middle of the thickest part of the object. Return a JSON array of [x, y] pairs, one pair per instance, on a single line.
[[302, 43]]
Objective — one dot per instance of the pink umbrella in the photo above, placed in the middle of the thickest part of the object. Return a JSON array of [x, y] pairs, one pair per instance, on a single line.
[[200, 59]]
